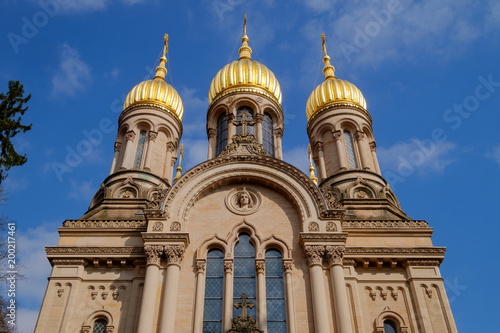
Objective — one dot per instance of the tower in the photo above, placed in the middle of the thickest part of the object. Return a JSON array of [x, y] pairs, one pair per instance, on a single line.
[[245, 241]]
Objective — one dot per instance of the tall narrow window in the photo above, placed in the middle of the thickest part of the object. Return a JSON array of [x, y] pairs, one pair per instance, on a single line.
[[100, 326], [244, 116], [275, 293], [221, 134], [390, 327], [140, 149], [267, 134], [350, 150], [212, 313], [244, 274]]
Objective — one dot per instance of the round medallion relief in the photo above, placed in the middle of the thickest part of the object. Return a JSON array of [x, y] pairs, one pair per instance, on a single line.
[[243, 200]]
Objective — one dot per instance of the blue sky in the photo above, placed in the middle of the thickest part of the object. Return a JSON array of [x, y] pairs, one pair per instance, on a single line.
[[428, 70]]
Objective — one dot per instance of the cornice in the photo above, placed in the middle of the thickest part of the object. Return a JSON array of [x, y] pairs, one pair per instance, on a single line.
[[414, 251], [101, 251], [385, 224], [105, 224]]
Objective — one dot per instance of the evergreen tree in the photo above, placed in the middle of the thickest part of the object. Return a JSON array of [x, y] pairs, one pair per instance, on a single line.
[[11, 109]]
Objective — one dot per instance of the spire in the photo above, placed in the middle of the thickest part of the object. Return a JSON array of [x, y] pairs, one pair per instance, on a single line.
[[329, 70], [311, 168], [245, 51], [161, 70], [179, 167]]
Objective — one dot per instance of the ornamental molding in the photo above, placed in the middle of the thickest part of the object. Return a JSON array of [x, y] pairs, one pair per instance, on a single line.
[[422, 262], [145, 105], [243, 200], [69, 262], [315, 237], [104, 224], [125, 250], [176, 237], [395, 251], [385, 224]]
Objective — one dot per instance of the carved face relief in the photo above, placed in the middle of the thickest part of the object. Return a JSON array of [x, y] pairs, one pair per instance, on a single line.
[[243, 200]]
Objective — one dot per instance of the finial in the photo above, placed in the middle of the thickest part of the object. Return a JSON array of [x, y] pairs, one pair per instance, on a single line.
[[245, 51], [161, 70], [179, 167], [329, 70], [311, 168]]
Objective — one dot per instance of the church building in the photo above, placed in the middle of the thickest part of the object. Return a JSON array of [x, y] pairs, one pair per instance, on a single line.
[[245, 242]]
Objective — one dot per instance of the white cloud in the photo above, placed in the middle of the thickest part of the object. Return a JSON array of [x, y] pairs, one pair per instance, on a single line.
[[496, 154], [79, 6], [297, 156], [82, 191], [14, 184], [195, 152], [422, 156], [73, 74]]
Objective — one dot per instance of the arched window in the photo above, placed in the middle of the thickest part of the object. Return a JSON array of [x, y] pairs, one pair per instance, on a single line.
[[275, 293], [221, 134], [350, 150], [390, 326], [267, 134], [214, 282], [244, 274], [249, 120], [140, 149], [100, 326]]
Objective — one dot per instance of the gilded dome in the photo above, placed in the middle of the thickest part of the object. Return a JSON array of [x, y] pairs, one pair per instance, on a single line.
[[157, 92], [333, 91], [244, 75]]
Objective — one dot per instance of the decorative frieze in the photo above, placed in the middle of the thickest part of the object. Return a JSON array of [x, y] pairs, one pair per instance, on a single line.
[[125, 250], [385, 224], [60, 262], [104, 224]]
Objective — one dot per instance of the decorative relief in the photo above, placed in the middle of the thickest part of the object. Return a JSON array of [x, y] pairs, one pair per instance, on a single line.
[[314, 254], [313, 226], [335, 254], [158, 226], [126, 250], [60, 262], [175, 226], [130, 136], [395, 250], [331, 227], [332, 198], [259, 99], [152, 136], [93, 295], [104, 224], [228, 267], [385, 224], [212, 132], [243, 200], [174, 254], [287, 266], [260, 267], [361, 194], [153, 253], [157, 198], [278, 132], [422, 262], [127, 193], [200, 266], [60, 292], [248, 140]]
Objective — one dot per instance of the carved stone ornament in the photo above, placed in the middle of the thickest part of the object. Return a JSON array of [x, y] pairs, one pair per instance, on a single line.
[[260, 267], [200, 266], [127, 193], [243, 200], [331, 227], [244, 322], [130, 136], [331, 198], [174, 254], [335, 254], [158, 226], [249, 141], [314, 254], [156, 199], [287, 266], [361, 194], [175, 226], [313, 226], [153, 253], [152, 135], [60, 292], [228, 267]]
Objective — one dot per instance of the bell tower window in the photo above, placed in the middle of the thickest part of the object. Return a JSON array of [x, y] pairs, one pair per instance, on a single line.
[[350, 150], [275, 292], [100, 326], [244, 274], [267, 134], [140, 149], [212, 315], [221, 134], [244, 115]]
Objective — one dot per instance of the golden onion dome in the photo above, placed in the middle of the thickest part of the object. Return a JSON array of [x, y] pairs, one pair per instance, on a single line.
[[244, 75], [157, 91], [333, 91]]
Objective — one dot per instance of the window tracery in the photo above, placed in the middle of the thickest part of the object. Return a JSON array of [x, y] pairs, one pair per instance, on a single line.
[[140, 149], [351, 157], [267, 134], [221, 134]]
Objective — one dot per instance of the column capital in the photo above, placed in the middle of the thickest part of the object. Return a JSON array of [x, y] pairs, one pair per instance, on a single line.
[[337, 135], [117, 146], [287, 266], [319, 146], [260, 266], [174, 254], [230, 117], [278, 132], [314, 254], [373, 146], [152, 135], [335, 254], [228, 266], [259, 117], [170, 147], [211, 132], [360, 135], [153, 253], [130, 135], [201, 266]]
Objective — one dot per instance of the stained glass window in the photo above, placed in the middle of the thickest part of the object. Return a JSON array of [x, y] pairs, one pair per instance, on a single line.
[[140, 149], [212, 313], [267, 134], [239, 116], [244, 274], [350, 150], [390, 327], [100, 326], [221, 134], [275, 293]]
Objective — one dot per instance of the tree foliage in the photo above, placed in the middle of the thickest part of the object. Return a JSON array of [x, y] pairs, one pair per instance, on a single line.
[[11, 110]]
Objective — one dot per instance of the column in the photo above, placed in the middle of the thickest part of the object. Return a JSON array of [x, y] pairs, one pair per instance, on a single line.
[[228, 295], [321, 161], [148, 308], [360, 137], [373, 149], [211, 142], [128, 158], [278, 135], [149, 152], [200, 297], [337, 135], [174, 255], [314, 255], [167, 171], [258, 129], [260, 267], [290, 310], [335, 255], [115, 157], [231, 129]]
